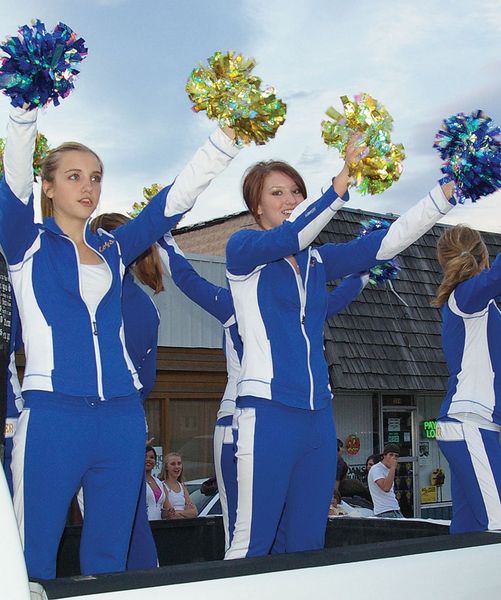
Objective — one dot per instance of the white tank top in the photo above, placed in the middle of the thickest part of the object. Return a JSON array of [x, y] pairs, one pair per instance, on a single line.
[[176, 499], [95, 282]]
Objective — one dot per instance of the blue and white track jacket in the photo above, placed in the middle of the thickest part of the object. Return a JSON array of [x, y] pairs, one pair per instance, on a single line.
[[281, 313], [141, 321], [471, 341], [218, 302], [70, 349]]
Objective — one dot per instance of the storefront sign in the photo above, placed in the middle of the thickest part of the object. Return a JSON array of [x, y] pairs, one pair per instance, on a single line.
[[393, 424], [428, 494], [430, 429]]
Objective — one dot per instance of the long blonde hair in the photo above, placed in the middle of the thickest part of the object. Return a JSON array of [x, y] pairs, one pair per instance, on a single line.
[[166, 459], [49, 166], [462, 254]]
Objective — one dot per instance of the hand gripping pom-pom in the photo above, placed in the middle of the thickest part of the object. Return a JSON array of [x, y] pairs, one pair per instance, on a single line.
[[148, 193], [383, 164], [41, 149], [470, 146], [41, 66], [229, 93], [384, 271]]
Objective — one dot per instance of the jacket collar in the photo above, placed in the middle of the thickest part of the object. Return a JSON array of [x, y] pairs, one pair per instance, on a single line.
[[50, 224]]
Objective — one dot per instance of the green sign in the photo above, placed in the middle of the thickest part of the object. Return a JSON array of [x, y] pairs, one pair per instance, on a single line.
[[430, 429]]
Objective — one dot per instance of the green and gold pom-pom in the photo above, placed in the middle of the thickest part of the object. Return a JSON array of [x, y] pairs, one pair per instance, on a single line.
[[41, 149], [383, 164], [148, 193], [232, 95]]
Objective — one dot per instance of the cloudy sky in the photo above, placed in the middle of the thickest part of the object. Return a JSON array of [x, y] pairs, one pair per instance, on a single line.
[[423, 60]]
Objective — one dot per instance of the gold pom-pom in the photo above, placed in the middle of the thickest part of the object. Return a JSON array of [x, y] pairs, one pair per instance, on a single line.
[[148, 193], [383, 164], [232, 95]]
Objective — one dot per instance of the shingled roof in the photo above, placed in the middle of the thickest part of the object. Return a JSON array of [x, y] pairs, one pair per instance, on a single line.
[[378, 343]]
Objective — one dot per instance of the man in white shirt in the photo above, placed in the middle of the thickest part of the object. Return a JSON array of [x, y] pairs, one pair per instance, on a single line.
[[381, 484]]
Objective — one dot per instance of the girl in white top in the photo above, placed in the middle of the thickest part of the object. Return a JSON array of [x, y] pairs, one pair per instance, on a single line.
[[178, 499]]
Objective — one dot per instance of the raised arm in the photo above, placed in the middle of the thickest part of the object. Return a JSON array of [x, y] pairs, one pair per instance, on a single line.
[[415, 222], [379, 246], [18, 153], [17, 228], [344, 293], [214, 299], [248, 249], [165, 209]]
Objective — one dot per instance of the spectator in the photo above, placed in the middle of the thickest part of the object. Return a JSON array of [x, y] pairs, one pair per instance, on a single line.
[[178, 497], [370, 462], [156, 497], [355, 487], [381, 484]]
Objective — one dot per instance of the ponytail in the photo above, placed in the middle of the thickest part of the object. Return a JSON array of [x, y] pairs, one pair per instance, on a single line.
[[462, 254]]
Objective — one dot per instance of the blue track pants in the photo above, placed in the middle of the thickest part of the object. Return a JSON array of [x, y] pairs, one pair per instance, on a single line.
[[62, 443], [474, 456], [286, 465]]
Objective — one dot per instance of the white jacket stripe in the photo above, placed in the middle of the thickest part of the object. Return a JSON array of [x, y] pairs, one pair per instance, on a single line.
[[209, 160], [18, 154], [414, 223]]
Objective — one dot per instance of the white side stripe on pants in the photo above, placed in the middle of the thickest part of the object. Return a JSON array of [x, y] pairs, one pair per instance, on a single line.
[[469, 432], [246, 423], [17, 467]]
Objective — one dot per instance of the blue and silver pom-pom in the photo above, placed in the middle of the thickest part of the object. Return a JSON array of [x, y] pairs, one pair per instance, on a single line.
[[41, 66], [470, 146], [384, 271]]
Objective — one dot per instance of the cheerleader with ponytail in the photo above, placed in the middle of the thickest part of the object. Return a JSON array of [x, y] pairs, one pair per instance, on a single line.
[[470, 416]]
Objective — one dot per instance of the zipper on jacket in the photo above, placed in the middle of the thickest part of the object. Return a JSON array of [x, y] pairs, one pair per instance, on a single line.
[[302, 299], [92, 315]]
